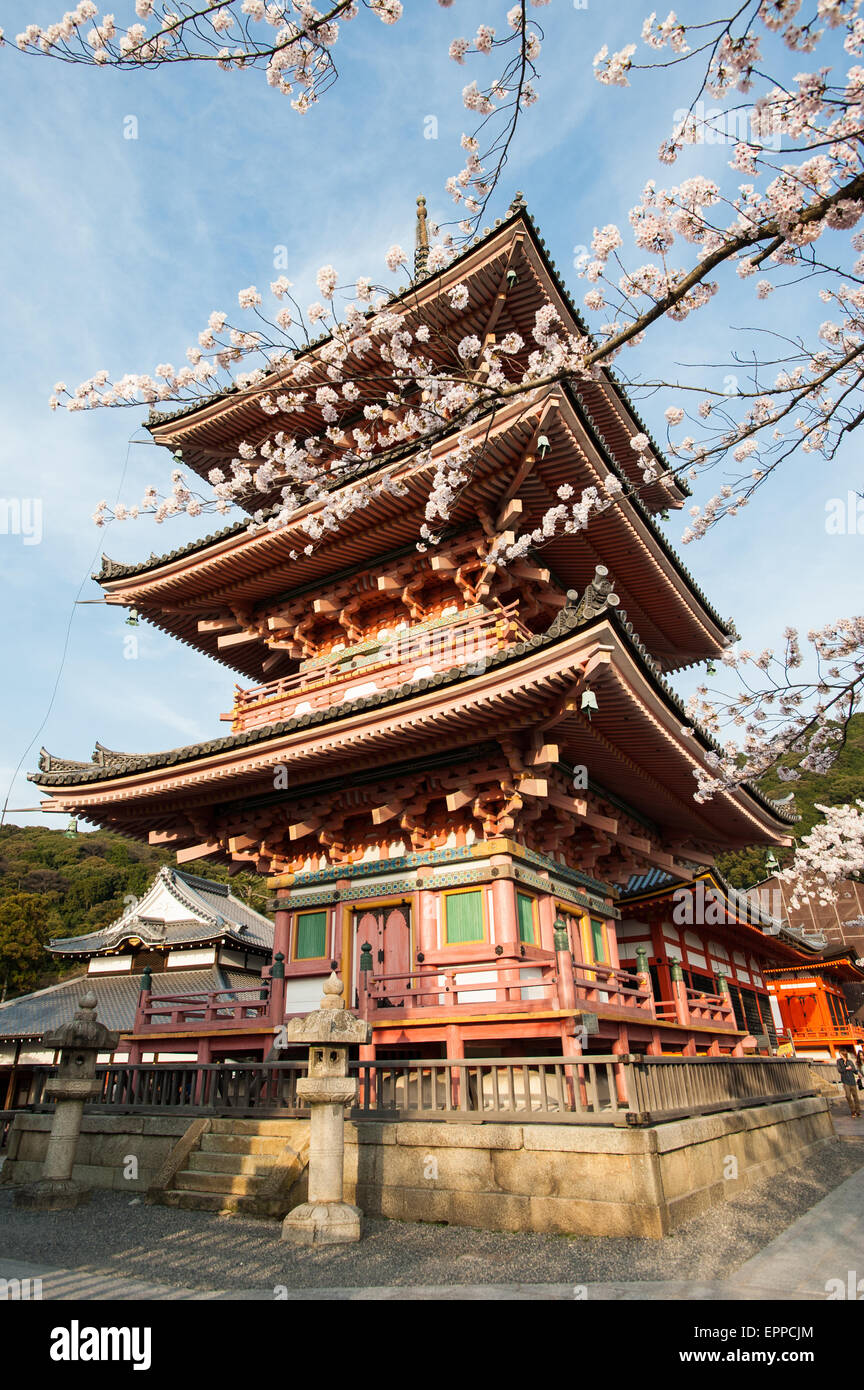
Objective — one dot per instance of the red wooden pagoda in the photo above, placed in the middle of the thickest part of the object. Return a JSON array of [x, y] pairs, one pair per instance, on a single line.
[[447, 770]]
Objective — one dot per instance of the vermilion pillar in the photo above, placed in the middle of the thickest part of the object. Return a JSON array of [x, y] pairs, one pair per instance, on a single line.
[[506, 932], [282, 932]]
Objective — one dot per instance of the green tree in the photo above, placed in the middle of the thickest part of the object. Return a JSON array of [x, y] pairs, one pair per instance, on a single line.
[[23, 933]]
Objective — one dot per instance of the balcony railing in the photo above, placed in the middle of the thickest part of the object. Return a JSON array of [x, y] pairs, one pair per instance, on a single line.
[[507, 979], [224, 1008], [515, 980], [610, 984], [423, 649], [849, 1031]]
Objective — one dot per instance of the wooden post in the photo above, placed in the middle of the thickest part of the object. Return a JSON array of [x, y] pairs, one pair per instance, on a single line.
[[566, 983], [9, 1103], [427, 933], [645, 977], [276, 1009], [621, 1047], [679, 993], [506, 934], [282, 933], [455, 1051]]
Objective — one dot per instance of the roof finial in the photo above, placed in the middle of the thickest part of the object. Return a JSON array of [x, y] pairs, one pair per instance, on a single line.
[[421, 243], [518, 204]]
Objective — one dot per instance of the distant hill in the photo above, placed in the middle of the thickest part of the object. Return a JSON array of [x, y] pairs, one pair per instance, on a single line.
[[842, 784], [53, 884]]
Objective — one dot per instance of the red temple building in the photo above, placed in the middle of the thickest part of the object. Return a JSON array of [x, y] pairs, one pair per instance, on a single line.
[[449, 772], [811, 1001]]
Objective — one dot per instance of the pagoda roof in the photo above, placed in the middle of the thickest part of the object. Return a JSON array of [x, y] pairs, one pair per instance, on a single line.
[[672, 613], [210, 911], [634, 745], [214, 425]]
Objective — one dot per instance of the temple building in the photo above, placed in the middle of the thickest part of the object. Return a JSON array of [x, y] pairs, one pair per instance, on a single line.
[[187, 936], [811, 1001], [450, 772]]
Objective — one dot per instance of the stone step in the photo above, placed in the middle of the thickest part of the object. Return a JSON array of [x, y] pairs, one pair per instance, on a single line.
[[224, 1203], [243, 1144], [223, 1183], [267, 1129], [236, 1163]]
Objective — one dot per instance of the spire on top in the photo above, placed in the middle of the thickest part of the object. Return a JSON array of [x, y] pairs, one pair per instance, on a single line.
[[421, 241]]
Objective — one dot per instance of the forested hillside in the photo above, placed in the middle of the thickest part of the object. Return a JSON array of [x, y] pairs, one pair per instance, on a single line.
[[842, 784], [53, 884]]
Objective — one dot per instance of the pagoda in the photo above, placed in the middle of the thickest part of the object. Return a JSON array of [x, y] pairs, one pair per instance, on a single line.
[[448, 769]]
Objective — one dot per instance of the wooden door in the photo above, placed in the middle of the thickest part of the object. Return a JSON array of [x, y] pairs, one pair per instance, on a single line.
[[387, 928]]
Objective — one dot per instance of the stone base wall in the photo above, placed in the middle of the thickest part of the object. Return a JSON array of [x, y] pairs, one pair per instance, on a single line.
[[105, 1146], [563, 1179], [572, 1179]]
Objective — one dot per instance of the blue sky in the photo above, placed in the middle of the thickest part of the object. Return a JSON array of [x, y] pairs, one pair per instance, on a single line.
[[115, 251]]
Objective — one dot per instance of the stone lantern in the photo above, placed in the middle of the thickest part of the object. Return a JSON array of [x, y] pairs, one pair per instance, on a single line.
[[79, 1043], [325, 1219]]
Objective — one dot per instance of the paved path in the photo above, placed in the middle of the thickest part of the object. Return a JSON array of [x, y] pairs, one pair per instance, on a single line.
[[92, 1286], [825, 1244]]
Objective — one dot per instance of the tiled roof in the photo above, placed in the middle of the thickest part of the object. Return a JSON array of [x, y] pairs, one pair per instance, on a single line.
[[563, 626], [116, 998], [112, 569], [213, 911], [739, 900], [518, 210]]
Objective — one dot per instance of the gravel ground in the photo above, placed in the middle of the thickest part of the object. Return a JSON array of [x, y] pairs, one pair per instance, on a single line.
[[195, 1249]]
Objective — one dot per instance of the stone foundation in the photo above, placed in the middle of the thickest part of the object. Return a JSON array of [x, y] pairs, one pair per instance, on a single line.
[[562, 1179], [105, 1146]]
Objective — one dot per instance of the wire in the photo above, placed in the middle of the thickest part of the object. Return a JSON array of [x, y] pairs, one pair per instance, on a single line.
[[65, 651]]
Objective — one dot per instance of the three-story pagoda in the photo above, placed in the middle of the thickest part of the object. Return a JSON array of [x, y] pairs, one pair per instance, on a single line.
[[445, 767]]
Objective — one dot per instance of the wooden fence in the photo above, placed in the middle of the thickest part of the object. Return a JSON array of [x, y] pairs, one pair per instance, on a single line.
[[587, 1090]]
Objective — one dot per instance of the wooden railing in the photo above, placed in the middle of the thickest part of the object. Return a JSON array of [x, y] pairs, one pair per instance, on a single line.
[[440, 645], [674, 1087], [585, 1089], [610, 984], [852, 1031], [224, 1008], [268, 1088], [709, 1008], [463, 985], [576, 1090]]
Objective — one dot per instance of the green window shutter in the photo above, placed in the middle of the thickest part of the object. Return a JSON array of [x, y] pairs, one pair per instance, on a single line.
[[525, 915], [311, 935], [464, 917], [597, 939]]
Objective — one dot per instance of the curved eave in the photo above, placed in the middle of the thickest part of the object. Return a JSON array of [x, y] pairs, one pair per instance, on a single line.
[[672, 614], [71, 946], [844, 967], [749, 920], [633, 746], [209, 431]]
